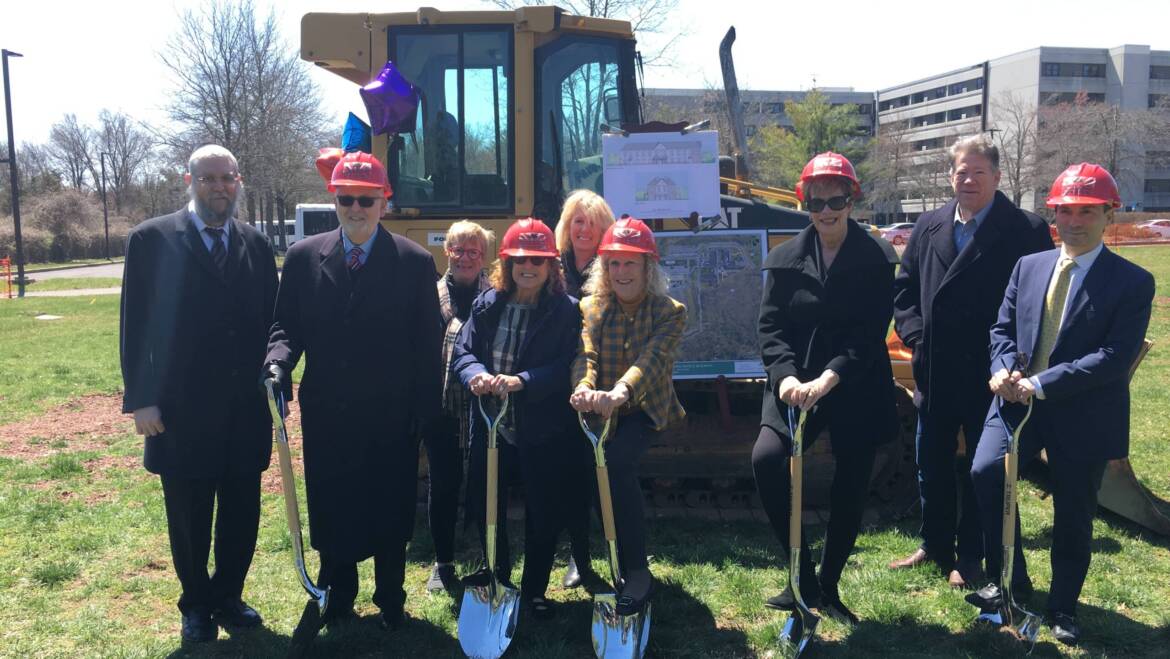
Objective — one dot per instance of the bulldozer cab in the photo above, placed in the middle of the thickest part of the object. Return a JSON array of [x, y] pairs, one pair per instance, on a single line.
[[510, 114]]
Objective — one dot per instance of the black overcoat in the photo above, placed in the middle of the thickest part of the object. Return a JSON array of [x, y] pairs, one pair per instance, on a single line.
[[946, 302], [192, 340], [807, 326], [373, 374]]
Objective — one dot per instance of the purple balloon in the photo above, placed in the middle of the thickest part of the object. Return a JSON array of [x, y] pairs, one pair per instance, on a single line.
[[391, 101]]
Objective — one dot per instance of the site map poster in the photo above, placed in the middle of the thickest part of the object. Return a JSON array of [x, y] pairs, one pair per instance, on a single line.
[[662, 175], [718, 274]]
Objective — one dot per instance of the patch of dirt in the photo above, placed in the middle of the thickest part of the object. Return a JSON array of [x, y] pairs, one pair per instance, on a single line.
[[82, 424], [270, 479]]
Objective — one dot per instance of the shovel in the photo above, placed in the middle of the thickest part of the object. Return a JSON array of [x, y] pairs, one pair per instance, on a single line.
[[488, 615], [1029, 623], [802, 623], [291, 508], [614, 636]]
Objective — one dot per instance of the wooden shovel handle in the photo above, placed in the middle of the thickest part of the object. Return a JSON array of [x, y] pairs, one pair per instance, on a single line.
[[606, 503]]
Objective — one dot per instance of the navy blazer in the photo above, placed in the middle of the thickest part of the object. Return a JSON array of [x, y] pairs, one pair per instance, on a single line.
[[1086, 386], [543, 362], [945, 301]]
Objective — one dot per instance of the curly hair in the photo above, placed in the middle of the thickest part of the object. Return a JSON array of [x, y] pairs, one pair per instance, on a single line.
[[501, 276], [599, 285]]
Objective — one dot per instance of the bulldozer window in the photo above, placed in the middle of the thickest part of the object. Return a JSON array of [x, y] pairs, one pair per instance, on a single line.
[[582, 82], [459, 153]]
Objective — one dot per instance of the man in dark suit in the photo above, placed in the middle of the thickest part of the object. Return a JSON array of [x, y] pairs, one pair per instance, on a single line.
[[197, 297], [1080, 313], [361, 303], [946, 296]]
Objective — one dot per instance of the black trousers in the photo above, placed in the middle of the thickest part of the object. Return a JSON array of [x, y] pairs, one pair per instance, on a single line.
[[770, 458], [445, 467], [623, 453], [541, 469], [342, 578], [580, 495], [1074, 483], [189, 504], [950, 514]]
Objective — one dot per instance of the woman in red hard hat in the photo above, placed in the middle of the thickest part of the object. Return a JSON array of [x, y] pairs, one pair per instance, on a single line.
[[520, 341], [828, 301], [630, 333]]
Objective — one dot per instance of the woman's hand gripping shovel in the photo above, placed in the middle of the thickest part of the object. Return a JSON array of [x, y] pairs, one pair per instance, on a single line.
[[488, 615], [614, 636], [292, 512], [802, 623], [1028, 626]]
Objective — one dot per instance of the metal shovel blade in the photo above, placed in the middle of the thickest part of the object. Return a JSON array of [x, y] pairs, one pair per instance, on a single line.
[[617, 636], [798, 631], [487, 617]]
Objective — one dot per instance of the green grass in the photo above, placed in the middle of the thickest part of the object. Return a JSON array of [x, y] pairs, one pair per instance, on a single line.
[[85, 567], [72, 283]]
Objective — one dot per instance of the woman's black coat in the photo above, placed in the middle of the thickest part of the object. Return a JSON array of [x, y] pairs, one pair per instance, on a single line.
[[807, 326]]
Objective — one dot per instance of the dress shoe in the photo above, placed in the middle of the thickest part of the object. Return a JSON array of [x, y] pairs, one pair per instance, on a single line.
[[198, 627], [306, 630], [834, 608], [1065, 628], [786, 602], [392, 619], [442, 578], [237, 615], [913, 560], [966, 575], [572, 578], [988, 598]]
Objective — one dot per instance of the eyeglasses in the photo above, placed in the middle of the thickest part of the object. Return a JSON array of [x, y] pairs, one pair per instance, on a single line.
[[226, 179], [835, 203], [471, 253], [534, 260], [347, 200]]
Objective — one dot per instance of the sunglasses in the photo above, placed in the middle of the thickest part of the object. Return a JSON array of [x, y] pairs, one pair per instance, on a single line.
[[347, 200], [835, 203], [534, 260]]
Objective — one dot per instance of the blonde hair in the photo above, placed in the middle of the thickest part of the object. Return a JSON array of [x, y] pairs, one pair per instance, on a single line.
[[466, 229], [587, 203], [600, 287]]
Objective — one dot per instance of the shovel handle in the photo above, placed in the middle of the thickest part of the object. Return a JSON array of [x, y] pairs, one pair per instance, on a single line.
[[493, 470], [796, 473], [603, 492]]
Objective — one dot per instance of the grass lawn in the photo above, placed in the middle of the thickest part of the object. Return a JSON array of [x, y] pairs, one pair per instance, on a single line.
[[85, 566], [72, 283]]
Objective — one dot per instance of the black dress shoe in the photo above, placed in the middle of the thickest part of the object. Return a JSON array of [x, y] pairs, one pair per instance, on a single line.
[[834, 608], [988, 598], [306, 630], [237, 615], [198, 627], [572, 577], [1065, 628], [442, 578], [392, 620], [786, 602]]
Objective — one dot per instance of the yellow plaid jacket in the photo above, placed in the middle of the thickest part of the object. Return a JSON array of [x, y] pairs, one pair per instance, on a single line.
[[638, 352]]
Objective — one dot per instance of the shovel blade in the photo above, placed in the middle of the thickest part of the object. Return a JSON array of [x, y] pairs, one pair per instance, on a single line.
[[798, 632], [487, 620], [1029, 629], [617, 636]]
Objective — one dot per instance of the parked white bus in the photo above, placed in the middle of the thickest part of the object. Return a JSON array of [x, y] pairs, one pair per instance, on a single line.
[[312, 219]]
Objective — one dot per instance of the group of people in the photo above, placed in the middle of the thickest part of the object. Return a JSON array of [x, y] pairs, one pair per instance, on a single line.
[[580, 321]]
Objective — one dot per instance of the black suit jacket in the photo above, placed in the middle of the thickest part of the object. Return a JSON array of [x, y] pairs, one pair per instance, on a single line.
[[192, 340], [1085, 411], [807, 326], [945, 302], [374, 371]]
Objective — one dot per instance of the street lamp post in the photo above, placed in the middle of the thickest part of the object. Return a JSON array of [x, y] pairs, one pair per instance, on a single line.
[[11, 160], [105, 206]]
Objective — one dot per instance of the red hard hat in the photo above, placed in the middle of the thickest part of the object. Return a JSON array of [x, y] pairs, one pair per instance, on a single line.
[[828, 164], [327, 160], [360, 169], [529, 237], [628, 235], [1084, 184]]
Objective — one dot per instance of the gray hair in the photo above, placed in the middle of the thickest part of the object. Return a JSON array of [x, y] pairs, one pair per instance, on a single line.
[[206, 152], [599, 285], [978, 144]]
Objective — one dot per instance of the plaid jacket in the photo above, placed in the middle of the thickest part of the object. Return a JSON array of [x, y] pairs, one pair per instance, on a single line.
[[638, 352], [454, 394]]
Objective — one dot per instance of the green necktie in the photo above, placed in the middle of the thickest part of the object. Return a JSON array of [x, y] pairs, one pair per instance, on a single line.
[[1053, 312]]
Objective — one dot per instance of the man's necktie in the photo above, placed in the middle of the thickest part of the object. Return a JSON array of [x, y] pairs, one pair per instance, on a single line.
[[1053, 311], [218, 250], [355, 258]]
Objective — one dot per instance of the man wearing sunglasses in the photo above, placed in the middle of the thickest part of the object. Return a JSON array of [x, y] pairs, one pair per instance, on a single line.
[[197, 297], [361, 304], [946, 297]]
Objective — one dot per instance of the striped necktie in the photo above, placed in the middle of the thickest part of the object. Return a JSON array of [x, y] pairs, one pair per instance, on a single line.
[[218, 250], [355, 258], [1053, 311]]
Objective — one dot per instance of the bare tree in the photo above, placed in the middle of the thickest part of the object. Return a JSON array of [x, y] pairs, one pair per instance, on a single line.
[[884, 171], [72, 151], [127, 148], [1015, 134]]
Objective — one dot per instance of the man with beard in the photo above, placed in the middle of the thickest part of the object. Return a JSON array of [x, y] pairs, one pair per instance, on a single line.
[[197, 296]]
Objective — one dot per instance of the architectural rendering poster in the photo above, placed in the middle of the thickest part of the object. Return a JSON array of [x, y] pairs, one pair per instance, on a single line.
[[662, 175], [718, 275]]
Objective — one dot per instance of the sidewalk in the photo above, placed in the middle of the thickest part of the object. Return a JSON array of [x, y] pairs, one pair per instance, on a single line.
[[76, 292]]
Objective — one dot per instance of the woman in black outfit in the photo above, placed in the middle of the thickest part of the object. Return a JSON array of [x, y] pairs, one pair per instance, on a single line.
[[828, 300]]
